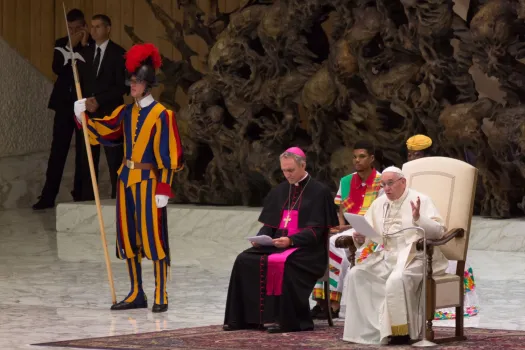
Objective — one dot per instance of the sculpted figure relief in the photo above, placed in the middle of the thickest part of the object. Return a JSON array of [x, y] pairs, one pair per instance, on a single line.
[[322, 74]]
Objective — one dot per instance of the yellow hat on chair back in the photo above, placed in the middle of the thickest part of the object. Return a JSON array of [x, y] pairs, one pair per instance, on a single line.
[[419, 143]]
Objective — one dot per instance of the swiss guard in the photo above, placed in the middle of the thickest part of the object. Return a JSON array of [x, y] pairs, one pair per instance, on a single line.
[[153, 153]]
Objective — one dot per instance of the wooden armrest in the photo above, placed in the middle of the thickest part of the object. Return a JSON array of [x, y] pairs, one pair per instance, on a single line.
[[454, 233], [345, 242]]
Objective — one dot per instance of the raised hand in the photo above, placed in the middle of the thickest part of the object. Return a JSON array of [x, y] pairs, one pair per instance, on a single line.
[[415, 209], [76, 38], [85, 36]]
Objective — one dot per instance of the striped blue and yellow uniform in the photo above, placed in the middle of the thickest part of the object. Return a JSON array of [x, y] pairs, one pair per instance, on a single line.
[[150, 135]]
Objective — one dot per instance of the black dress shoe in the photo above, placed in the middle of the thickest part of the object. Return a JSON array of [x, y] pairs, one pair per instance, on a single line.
[[399, 340], [278, 329], [74, 195], [159, 308], [275, 329], [317, 311], [251, 326], [43, 204], [142, 304]]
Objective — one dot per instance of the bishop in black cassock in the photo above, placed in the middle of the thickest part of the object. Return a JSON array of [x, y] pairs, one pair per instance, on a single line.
[[272, 284]]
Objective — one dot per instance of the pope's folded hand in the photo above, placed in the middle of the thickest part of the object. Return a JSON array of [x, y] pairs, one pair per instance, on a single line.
[[283, 242], [359, 238]]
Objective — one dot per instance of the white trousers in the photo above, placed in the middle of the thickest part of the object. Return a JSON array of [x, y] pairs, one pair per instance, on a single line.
[[383, 299]]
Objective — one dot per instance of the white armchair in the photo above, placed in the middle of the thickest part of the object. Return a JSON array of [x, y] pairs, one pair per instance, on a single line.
[[451, 184]]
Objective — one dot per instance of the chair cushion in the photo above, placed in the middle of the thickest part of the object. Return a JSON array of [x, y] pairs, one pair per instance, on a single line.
[[447, 290]]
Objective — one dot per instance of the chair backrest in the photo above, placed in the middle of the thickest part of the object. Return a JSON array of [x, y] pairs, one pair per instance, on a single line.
[[451, 184]]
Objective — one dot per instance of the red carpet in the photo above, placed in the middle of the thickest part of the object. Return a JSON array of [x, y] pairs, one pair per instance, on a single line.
[[324, 337]]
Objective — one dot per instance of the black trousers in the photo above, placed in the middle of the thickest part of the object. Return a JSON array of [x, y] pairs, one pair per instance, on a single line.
[[63, 128], [114, 156]]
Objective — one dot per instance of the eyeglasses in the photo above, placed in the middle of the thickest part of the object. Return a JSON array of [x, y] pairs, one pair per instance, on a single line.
[[389, 183]]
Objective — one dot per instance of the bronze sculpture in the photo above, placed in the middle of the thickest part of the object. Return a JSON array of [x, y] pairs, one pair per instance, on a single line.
[[322, 73]]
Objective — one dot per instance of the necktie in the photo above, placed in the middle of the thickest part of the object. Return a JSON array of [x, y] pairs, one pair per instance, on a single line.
[[96, 61]]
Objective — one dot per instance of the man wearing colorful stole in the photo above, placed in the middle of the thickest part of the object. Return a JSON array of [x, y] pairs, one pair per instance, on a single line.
[[384, 291], [272, 283], [153, 153], [356, 193]]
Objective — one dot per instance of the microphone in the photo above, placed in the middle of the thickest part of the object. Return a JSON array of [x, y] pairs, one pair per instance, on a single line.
[[385, 212], [423, 343]]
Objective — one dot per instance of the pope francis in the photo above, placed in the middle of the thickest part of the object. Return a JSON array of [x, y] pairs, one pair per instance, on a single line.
[[383, 297]]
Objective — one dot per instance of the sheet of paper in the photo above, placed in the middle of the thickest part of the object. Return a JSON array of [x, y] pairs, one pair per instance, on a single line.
[[261, 240], [362, 226]]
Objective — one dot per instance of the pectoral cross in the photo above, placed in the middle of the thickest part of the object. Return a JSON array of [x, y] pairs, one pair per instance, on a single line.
[[286, 220]]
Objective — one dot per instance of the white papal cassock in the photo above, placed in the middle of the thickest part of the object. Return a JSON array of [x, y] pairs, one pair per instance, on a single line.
[[383, 293]]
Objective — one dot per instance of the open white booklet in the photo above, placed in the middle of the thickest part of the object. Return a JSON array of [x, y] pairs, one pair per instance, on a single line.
[[261, 240], [361, 226]]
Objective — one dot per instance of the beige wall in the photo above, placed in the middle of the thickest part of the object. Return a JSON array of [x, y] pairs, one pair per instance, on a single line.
[[28, 30], [25, 135], [32, 26], [29, 27], [25, 121]]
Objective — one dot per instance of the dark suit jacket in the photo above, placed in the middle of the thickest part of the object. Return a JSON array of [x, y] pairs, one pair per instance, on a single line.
[[109, 86], [64, 95]]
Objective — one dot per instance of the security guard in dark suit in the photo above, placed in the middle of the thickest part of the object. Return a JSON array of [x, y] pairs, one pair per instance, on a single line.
[[61, 101]]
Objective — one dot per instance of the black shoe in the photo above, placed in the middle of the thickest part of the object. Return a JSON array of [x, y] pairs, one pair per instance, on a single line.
[[43, 204], [275, 329], [278, 329], [317, 311], [76, 197], [136, 304], [399, 340], [323, 314], [234, 327], [159, 308]]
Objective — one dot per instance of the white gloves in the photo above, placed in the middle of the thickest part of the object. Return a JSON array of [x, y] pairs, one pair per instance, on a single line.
[[161, 200], [80, 107]]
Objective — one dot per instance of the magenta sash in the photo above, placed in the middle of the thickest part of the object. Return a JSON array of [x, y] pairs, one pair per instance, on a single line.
[[275, 271]]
